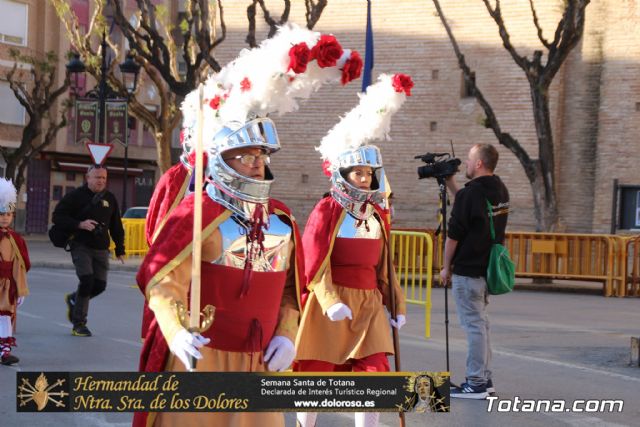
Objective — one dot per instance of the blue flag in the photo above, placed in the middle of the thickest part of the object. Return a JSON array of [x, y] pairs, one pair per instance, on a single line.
[[368, 53]]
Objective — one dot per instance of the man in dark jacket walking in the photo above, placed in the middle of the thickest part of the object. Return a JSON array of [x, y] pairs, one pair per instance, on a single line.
[[466, 257], [91, 213]]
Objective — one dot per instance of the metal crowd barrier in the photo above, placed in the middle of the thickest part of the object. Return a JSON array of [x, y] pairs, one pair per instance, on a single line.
[[565, 256], [412, 253], [135, 242], [613, 260], [632, 264]]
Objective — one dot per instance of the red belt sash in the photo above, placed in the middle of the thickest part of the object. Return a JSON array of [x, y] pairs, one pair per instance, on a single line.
[[354, 262], [241, 324], [6, 269]]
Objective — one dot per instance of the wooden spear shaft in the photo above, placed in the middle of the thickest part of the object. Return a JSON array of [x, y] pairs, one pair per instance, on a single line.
[[194, 302], [392, 292]]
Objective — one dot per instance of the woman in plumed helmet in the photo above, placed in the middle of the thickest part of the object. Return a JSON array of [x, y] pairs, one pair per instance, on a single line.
[[344, 326], [252, 264]]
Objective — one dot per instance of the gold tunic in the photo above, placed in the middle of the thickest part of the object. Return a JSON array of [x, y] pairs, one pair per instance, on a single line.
[[368, 333], [8, 251], [174, 287]]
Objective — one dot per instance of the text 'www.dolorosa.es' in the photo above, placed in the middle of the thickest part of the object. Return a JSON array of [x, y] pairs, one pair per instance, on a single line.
[[334, 403]]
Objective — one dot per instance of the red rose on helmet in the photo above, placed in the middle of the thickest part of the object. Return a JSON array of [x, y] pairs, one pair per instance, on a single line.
[[299, 57], [402, 83], [352, 68], [215, 102], [245, 85], [326, 168], [327, 51]]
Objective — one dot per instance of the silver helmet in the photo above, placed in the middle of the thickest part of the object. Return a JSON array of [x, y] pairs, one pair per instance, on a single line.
[[356, 201], [229, 187]]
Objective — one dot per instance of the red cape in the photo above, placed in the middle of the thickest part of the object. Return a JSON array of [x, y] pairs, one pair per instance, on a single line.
[[171, 246], [168, 193], [169, 190], [23, 252], [320, 233]]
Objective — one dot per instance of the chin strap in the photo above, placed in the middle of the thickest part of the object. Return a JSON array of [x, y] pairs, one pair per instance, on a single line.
[[255, 245], [363, 210]]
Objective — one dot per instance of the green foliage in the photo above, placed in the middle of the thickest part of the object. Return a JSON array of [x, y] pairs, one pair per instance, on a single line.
[[42, 63]]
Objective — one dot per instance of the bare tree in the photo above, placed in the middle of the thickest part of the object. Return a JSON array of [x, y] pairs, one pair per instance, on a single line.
[[160, 123], [157, 45], [36, 89], [539, 74], [312, 15]]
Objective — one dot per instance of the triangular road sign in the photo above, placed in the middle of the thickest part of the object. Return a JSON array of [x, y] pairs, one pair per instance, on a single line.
[[99, 152]]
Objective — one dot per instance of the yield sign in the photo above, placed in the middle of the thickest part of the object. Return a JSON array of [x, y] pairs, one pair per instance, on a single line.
[[99, 152]]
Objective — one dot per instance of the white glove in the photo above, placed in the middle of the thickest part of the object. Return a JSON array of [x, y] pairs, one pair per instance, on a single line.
[[399, 322], [339, 311], [20, 301], [186, 344], [279, 354]]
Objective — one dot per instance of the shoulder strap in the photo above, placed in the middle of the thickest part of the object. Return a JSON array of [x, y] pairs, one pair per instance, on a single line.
[[94, 202], [490, 215]]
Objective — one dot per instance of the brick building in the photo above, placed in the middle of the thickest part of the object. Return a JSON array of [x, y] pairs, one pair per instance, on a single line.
[[595, 101]]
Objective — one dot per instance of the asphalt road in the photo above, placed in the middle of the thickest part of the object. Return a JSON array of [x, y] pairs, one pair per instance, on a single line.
[[546, 346]]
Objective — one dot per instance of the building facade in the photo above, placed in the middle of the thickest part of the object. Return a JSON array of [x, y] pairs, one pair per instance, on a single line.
[[595, 103]]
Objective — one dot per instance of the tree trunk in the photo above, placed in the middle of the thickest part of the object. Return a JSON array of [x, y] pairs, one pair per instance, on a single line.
[[29, 134], [543, 184], [545, 208], [163, 142]]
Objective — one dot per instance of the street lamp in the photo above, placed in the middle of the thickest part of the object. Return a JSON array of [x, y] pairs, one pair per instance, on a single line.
[[129, 70], [76, 70]]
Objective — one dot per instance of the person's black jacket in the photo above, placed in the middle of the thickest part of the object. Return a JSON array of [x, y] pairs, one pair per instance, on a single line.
[[70, 212], [469, 223]]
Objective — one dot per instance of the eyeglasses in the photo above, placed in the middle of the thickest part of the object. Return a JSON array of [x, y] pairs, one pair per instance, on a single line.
[[250, 159]]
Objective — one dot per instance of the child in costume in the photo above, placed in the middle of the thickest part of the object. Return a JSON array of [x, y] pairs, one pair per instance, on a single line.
[[344, 326], [14, 264]]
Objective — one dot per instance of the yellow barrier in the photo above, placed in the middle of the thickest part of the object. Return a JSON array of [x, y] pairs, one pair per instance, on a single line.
[[611, 259], [413, 258], [588, 257], [632, 266], [135, 242]]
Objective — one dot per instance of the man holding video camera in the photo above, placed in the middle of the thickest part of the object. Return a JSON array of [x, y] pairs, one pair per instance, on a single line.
[[466, 257], [90, 213]]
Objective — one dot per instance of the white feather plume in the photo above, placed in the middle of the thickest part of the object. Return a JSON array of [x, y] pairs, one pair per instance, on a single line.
[[8, 196], [370, 120], [258, 83]]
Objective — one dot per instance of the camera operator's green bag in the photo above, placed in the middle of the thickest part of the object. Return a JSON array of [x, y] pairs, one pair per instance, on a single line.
[[501, 271]]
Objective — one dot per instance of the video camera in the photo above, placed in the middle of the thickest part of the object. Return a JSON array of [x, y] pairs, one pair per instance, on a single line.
[[438, 165]]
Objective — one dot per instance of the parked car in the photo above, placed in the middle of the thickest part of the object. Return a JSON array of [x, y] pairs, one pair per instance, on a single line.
[[139, 212]]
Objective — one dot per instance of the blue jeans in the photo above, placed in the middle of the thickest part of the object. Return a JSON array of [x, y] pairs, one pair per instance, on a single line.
[[472, 299]]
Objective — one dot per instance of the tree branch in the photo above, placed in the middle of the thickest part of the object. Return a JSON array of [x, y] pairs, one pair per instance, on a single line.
[[491, 120], [568, 34], [537, 24], [314, 11], [496, 14]]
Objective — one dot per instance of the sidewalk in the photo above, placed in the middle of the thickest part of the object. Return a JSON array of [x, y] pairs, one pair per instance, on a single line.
[[43, 254]]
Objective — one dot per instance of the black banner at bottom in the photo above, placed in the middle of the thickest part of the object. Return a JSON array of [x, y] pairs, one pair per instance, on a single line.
[[231, 392]]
